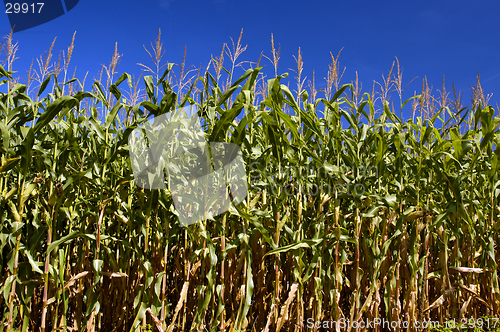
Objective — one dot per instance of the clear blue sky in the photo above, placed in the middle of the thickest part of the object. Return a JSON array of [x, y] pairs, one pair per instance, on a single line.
[[430, 38]]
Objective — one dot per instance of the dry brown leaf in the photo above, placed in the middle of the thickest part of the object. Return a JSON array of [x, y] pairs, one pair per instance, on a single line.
[[474, 294], [155, 319], [74, 278], [285, 307], [271, 311], [114, 274], [467, 269], [178, 307]]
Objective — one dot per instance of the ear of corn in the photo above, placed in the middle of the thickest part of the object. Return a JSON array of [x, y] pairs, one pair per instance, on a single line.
[[349, 214]]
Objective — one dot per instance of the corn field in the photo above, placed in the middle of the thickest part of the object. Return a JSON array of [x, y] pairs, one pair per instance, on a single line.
[[352, 212]]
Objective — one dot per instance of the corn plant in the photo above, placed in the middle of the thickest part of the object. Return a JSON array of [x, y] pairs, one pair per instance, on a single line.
[[351, 213]]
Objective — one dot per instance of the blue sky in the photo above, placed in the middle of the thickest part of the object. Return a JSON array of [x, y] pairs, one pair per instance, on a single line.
[[457, 39]]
